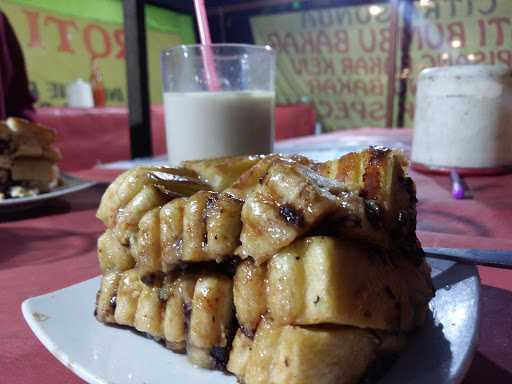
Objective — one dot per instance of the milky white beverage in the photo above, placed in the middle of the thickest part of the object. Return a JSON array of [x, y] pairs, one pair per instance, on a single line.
[[203, 125]]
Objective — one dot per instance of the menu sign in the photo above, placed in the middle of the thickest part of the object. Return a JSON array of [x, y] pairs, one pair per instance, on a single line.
[[58, 50], [337, 57], [449, 32]]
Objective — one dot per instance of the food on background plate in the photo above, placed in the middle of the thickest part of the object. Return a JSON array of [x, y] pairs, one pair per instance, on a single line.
[[28, 158], [314, 266]]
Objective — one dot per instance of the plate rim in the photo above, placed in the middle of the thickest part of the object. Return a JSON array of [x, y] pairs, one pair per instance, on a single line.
[[78, 185], [51, 347], [473, 343]]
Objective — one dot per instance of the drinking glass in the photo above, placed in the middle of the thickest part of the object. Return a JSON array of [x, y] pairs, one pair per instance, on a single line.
[[218, 100]]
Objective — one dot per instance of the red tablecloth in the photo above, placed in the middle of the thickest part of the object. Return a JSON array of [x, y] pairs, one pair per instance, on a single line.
[[295, 120], [53, 247], [88, 136]]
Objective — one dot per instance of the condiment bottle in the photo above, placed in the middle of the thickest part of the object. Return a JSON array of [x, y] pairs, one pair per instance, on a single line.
[[98, 88]]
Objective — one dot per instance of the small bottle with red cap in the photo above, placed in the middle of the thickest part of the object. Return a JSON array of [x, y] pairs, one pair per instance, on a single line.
[[98, 88]]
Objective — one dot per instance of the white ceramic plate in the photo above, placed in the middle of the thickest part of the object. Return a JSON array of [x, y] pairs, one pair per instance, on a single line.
[[70, 184], [63, 321]]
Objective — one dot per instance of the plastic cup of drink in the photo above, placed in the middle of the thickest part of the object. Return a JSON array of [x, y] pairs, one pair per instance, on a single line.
[[232, 114]]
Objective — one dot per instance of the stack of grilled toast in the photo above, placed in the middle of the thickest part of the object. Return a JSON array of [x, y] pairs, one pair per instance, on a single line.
[[28, 158], [277, 269]]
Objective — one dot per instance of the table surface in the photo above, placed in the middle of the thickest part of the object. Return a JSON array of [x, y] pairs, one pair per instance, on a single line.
[[54, 246]]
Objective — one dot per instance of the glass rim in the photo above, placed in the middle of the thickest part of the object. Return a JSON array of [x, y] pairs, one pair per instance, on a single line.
[[184, 47]]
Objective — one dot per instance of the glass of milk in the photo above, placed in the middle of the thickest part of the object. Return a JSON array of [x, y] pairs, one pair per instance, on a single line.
[[218, 100]]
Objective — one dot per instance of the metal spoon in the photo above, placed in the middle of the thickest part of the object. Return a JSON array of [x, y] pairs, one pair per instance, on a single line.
[[487, 257]]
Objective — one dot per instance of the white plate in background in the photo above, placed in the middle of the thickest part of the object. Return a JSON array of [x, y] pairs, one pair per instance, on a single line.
[[63, 321], [69, 184]]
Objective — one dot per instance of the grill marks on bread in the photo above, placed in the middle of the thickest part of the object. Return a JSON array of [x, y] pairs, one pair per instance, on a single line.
[[292, 200], [204, 227], [189, 312]]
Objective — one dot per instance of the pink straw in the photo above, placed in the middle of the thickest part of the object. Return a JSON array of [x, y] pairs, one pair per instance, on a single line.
[[206, 40]]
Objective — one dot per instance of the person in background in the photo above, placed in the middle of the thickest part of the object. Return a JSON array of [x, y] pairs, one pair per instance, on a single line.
[[15, 97]]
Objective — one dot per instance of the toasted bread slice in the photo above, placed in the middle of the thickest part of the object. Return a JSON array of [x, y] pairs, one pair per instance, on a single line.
[[139, 190], [128, 218], [106, 298], [319, 280], [250, 295], [286, 204], [189, 312], [147, 243], [302, 355], [211, 324], [112, 255], [32, 169], [372, 170], [29, 138], [27, 158], [124, 300], [178, 293], [372, 200], [381, 176], [250, 179], [293, 200], [203, 227], [222, 172], [211, 226], [33, 173], [172, 182], [51, 153]]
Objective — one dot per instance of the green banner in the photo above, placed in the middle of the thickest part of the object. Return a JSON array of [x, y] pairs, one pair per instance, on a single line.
[[59, 38], [337, 57], [110, 11]]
